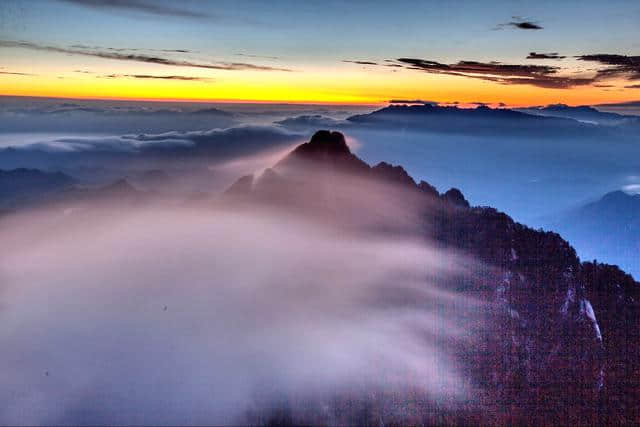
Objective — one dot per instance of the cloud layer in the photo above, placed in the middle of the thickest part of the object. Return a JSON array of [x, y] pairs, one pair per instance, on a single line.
[[617, 65], [143, 6], [551, 55], [138, 57], [154, 317], [545, 76], [153, 77]]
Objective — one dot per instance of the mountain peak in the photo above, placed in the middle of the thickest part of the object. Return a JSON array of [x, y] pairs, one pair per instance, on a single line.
[[326, 149], [324, 142]]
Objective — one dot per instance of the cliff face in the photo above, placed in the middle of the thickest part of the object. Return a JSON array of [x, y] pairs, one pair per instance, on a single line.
[[561, 336]]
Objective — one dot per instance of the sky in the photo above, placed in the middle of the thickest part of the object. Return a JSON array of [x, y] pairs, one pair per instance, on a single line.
[[512, 52]]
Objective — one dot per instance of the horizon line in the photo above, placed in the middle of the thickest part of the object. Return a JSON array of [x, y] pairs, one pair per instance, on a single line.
[[284, 102]]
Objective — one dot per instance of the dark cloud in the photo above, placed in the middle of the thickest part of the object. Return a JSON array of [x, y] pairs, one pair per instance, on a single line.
[[551, 55], [16, 73], [473, 67], [617, 65], [544, 76], [633, 86], [412, 101], [139, 6], [526, 25], [149, 76], [360, 62], [391, 63], [228, 66], [519, 23]]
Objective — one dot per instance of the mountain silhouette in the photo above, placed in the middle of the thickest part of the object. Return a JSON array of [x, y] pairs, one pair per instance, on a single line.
[[607, 229], [479, 120], [563, 335], [583, 113]]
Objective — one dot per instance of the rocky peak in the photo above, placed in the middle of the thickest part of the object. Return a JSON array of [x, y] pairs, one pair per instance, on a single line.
[[391, 173], [455, 197], [324, 142], [325, 148]]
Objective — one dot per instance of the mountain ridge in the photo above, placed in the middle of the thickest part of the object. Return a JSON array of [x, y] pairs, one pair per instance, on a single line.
[[562, 330]]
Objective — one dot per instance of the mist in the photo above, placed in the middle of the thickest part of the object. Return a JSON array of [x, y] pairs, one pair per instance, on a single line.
[[189, 315]]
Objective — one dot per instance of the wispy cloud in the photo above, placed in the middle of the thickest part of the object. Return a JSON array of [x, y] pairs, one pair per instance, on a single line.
[[150, 76], [16, 73], [360, 62], [129, 49], [520, 24], [617, 65], [251, 55], [545, 76], [141, 6], [412, 101], [550, 55], [152, 59]]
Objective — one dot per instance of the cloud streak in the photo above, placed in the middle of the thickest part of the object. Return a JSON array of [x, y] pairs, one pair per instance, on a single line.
[[153, 77], [551, 55], [360, 62], [520, 24], [16, 73], [129, 49], [141, 6], [617, 65], [159, 60], [412, 101], [545, 76]]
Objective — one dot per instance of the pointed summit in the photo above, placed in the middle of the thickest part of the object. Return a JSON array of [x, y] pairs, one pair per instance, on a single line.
[[325, 149], [324, 142]]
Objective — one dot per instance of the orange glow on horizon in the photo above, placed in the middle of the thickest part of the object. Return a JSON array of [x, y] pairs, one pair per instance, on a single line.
[[357, 87]]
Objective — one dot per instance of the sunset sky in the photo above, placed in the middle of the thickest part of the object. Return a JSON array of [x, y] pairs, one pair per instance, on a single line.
[[574, 52]]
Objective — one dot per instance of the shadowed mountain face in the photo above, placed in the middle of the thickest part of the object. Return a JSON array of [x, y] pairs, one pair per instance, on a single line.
[[562, 336], [608, 229]]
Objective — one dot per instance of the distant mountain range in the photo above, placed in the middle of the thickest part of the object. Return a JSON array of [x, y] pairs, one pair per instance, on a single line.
[[479, 120], [582, 113], [607, 229]]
